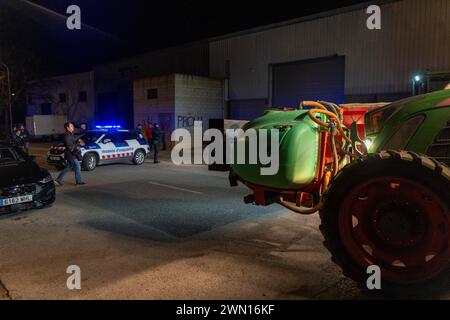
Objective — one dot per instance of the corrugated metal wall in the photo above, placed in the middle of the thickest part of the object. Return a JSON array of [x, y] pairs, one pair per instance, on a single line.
[[415, 35]]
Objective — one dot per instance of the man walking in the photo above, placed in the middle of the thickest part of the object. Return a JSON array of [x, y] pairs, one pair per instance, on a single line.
[[156, 138], [72, 154]]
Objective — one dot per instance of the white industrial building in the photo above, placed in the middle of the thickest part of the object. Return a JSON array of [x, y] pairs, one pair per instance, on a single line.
[[114, 80], [333, 56], [70, 95], [177, 101]]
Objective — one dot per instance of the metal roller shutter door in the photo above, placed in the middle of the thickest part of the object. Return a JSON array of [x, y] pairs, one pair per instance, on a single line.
[[319, 79]]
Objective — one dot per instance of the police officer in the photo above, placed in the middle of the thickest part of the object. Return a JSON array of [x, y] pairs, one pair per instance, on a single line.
[[138, 130], [72, 154]]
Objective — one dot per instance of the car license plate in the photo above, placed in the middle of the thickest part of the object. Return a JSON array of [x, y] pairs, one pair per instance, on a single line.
[[15, 200], [55, 158]]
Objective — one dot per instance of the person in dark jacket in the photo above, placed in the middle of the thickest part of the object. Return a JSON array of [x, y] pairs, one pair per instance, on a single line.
[[156, 139], [25, 137], [138, 130], [72, 154], [17, 139]]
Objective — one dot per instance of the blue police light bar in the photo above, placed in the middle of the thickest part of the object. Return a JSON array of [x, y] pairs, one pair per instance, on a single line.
[[108, 127]]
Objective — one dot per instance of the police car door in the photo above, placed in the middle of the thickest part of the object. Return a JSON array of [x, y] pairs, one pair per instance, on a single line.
[[108, 147], [124, 144]]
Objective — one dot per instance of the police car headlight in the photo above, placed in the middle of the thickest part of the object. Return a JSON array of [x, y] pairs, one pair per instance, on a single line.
[[47, 179]]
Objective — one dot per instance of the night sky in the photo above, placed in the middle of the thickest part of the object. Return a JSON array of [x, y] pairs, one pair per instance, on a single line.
[[119, 28]]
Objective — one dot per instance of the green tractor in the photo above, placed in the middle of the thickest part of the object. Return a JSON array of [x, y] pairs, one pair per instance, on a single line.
[[383, 201]]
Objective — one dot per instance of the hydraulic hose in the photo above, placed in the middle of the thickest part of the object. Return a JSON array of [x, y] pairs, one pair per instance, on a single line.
[[335, 155], [304, 211], [327, 125], [313, 104], [337, 124], [334, 107]]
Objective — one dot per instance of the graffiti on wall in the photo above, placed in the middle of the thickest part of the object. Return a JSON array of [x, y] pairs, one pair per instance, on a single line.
[[187, 121]]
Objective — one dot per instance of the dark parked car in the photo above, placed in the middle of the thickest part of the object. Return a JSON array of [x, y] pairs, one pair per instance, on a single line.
[[23, 184]]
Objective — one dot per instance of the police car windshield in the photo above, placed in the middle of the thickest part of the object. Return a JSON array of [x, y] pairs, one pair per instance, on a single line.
[[91, 136], [8, 155]]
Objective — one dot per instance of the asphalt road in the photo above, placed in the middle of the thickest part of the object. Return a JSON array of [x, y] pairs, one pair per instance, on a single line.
[[164, 232]]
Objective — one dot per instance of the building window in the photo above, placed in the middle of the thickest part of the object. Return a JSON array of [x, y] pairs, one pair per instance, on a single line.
[[152, 93], [62, 98], [82, 96]]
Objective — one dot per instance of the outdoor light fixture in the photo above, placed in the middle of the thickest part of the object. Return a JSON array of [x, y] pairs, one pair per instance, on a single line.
[[416, 84]]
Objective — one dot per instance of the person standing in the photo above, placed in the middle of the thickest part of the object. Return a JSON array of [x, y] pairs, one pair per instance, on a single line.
[[72, 154], [144, 131], [156, 138], [138, 130], [25, 137], [83, 128], [149, 134], [16, 138]]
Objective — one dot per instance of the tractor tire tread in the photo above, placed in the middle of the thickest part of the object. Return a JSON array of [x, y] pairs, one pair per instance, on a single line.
[[330, 230]]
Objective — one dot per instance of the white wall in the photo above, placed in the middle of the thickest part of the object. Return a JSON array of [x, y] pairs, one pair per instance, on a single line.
[[148, 110], [197, 98]]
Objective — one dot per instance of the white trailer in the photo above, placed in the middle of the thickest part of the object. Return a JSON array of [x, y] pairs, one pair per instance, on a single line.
[[46, 126]]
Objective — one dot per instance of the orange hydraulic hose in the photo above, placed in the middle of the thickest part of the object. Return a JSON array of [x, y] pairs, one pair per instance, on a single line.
[[322, 109], [327, 125], [305, 211], [314, 104], [319, 108]]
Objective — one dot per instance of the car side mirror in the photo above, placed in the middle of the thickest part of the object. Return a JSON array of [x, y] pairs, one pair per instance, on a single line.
[[105, 141]]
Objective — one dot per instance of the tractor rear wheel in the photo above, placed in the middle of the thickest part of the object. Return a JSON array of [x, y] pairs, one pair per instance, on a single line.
[[391, 209]]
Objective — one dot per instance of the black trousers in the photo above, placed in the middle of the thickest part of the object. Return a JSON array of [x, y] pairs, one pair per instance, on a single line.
[[156, 147]]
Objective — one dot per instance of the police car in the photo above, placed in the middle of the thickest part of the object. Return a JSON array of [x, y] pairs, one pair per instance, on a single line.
[[104, 146]]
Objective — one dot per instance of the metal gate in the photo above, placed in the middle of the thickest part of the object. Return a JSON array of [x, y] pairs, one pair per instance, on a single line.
[[318, 79]]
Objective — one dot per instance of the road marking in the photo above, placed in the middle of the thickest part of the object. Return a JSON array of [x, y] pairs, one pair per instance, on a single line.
[[173, 187]]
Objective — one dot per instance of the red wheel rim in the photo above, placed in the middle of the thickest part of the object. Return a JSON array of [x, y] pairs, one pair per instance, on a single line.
[[399, 225]]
